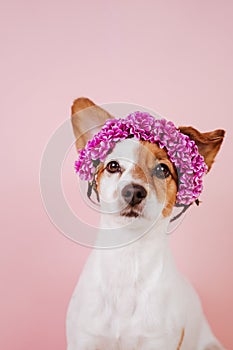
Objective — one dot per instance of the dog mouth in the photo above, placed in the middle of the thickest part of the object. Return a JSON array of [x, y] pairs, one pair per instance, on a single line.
[[131, 212]]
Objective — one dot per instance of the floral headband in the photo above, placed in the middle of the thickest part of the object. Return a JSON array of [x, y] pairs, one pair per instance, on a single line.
[[182, 151]]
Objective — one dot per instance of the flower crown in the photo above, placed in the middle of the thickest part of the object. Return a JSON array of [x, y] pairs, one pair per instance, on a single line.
[[182, 151]]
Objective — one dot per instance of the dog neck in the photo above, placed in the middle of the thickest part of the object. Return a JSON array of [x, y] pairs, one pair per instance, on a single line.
[[147, 253]]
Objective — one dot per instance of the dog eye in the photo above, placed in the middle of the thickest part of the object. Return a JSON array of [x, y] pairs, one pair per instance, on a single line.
[[113, 167], [161, 171]]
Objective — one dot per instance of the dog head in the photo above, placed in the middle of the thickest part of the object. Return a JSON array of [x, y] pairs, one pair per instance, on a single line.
[[137, 179]]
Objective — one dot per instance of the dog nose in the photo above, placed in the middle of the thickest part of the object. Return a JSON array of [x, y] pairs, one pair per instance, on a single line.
[[133, 194]]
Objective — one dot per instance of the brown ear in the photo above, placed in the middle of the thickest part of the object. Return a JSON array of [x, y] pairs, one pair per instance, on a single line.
[[208, 143], [87, 119]]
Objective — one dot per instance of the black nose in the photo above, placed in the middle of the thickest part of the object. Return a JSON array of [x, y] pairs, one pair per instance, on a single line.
[[133, 194]]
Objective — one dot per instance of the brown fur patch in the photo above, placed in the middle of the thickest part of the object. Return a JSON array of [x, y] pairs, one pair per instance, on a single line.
[[87, 119], [208, 143], [99, 173], [181, 339], [81, 103], [149, 156]]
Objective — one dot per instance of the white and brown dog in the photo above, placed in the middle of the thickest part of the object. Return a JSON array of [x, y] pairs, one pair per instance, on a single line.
[[133, 297]]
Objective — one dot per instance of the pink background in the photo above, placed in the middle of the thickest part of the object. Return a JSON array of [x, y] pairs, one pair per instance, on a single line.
[[174, 57]]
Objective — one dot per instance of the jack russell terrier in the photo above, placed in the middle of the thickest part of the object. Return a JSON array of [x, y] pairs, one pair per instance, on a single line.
[[132, 297]]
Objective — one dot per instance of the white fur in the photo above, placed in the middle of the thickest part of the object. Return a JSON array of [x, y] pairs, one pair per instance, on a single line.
[[133, 297]]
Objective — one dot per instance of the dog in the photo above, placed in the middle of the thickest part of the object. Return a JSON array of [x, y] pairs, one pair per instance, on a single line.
[[132, 297]]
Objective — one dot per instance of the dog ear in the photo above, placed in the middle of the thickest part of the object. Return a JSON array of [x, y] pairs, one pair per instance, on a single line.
[[208, 143], [87, 119]]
